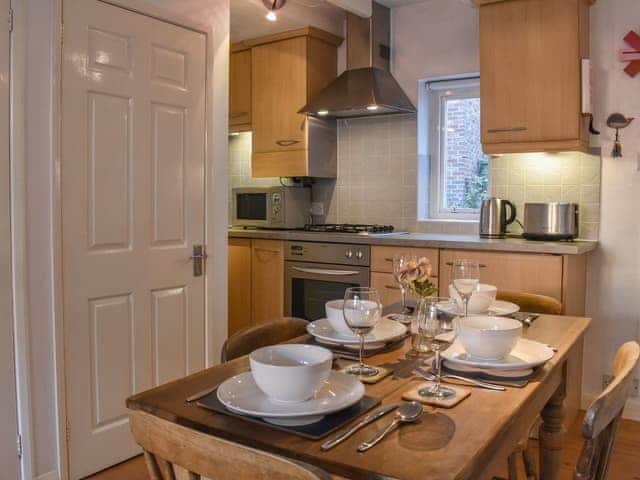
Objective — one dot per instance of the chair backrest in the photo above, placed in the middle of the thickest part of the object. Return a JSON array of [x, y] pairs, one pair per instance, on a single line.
[[247, 340], [531, 302], [602, 417], [174, 452]]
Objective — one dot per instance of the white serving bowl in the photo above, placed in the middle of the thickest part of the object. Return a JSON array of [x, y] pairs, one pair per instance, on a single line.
[[488, 338], [290, 373], [333, 309], [480, 300]]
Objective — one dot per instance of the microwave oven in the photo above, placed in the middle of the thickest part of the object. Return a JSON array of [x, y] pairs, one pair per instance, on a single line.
[[271, 207]]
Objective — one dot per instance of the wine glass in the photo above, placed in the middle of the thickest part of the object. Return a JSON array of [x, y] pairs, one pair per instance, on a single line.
[[362, 310], [400, 262], [466, 277], [439, 332]]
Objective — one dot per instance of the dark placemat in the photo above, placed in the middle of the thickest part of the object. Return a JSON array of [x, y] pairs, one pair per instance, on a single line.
[[313, 431]]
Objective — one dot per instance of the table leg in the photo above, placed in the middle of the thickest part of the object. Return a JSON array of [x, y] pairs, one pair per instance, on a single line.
[[551, 436]]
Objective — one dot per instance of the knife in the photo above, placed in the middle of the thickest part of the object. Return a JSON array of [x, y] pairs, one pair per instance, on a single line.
[[372, 417]]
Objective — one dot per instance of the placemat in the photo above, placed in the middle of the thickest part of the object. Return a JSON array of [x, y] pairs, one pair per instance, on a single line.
[[313, 431], [413, 394]]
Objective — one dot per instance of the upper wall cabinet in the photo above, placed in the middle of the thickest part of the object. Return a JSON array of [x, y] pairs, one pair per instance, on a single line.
[[530, 68], [240, 89], [287, 70]]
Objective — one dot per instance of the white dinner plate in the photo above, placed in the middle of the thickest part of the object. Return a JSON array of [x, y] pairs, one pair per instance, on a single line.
[[240, 394], [462, 369], [526, 354], [352, 346], [499, 308], [385, 331]]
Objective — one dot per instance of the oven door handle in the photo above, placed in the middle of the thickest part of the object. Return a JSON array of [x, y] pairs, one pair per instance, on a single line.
[[322, 271]]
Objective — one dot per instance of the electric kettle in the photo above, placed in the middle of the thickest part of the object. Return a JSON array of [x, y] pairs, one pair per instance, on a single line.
[[494, 219]]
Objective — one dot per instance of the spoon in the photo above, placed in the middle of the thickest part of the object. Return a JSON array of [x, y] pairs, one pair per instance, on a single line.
[[407, 413]]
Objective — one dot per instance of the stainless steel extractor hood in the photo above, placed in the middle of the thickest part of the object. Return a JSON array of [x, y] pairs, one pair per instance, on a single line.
[[367, 87]]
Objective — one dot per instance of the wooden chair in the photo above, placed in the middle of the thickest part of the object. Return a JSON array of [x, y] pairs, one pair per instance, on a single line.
[[603, 416], [531, 302], [247, 340], [174, 452]]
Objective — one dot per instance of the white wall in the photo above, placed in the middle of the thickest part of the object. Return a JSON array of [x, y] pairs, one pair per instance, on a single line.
[[41, 22], [613, 298]]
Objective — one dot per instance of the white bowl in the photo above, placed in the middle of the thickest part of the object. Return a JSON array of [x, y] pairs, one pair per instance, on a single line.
[[333, 309], [488, 338], [480, 300], [290, 373]]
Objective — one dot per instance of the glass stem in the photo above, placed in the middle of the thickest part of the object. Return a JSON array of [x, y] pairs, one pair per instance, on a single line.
[[361, 353], [438, 369], [466, 306], [403, 292]]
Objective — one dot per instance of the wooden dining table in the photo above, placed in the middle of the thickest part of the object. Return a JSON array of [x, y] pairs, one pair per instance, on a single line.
[[469, 441]]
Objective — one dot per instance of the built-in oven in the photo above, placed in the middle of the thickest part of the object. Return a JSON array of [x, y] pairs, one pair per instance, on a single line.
[[318, 272]]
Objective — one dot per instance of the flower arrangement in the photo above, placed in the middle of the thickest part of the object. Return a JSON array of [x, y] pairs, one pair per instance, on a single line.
[[415, 274]]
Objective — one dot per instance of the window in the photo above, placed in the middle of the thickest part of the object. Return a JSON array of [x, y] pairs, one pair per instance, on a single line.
[[459, 170]]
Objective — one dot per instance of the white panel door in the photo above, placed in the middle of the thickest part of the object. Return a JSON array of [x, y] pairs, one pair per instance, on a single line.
[[133, 106], [8, 415]]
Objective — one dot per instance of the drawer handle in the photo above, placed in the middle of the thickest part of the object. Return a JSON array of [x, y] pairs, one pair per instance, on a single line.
[[287, 143], [482, 265], [391, 287], [503, 130], [238, 114], [266, 250]]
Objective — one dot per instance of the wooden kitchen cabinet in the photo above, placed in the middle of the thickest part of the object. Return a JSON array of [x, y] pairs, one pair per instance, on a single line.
[[239, 276], [267, 280], [240, 89], [287, 70], [521, 272], [530, 69]]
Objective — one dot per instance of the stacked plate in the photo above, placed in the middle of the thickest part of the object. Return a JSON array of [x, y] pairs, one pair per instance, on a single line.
[[290, 385], [385, 332]]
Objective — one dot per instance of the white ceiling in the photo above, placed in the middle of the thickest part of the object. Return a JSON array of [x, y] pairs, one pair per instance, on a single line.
[[248, 18]]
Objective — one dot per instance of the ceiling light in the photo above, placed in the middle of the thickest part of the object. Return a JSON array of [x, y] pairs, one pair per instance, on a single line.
[[371, 108], [272, 6], [323, 112]]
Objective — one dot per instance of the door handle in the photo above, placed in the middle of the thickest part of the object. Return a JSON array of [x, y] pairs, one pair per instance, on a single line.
[[322, 271], [481, 265], [287, 143], [199, 256]]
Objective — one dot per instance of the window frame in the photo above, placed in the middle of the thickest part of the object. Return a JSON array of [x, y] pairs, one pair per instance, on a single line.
[[436, 93]]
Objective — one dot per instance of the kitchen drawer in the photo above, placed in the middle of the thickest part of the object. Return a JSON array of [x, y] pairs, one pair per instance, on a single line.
[[387, 288], [382, 257], [521, 272]]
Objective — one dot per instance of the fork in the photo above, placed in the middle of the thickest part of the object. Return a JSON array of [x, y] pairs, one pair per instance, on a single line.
[[478, 383]]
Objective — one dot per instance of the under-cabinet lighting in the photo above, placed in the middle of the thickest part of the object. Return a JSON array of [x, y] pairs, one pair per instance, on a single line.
[[323, 112], [371, 108]]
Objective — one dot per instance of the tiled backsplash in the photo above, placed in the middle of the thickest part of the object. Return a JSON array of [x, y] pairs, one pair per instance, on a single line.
[[545, 177], [378, 178]]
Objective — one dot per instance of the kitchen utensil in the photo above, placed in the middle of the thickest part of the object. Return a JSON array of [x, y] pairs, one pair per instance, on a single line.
[[372, 417], [241, 395], [550, 221], [488, 338], [526, 354], [290, 373], [407, 413], [362, 311], [386, 331], [527, 319], [478, 383], [494, 219]]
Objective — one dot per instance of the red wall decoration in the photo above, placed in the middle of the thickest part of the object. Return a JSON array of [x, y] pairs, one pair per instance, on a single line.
[[631, 55]]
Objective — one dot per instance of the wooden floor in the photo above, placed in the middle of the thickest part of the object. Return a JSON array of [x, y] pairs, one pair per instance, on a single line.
[[625, 463]]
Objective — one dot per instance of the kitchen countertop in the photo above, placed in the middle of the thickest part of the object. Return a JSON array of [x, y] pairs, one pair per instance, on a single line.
[[428, 240]]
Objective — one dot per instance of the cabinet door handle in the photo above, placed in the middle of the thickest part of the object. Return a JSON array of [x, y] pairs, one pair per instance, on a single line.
[[287, 143], [482, 265], [266, 250], [238, 114], [503, 130], [391, 287]]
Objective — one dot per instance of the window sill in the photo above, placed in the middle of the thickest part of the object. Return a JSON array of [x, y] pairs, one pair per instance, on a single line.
[[448, 221]]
